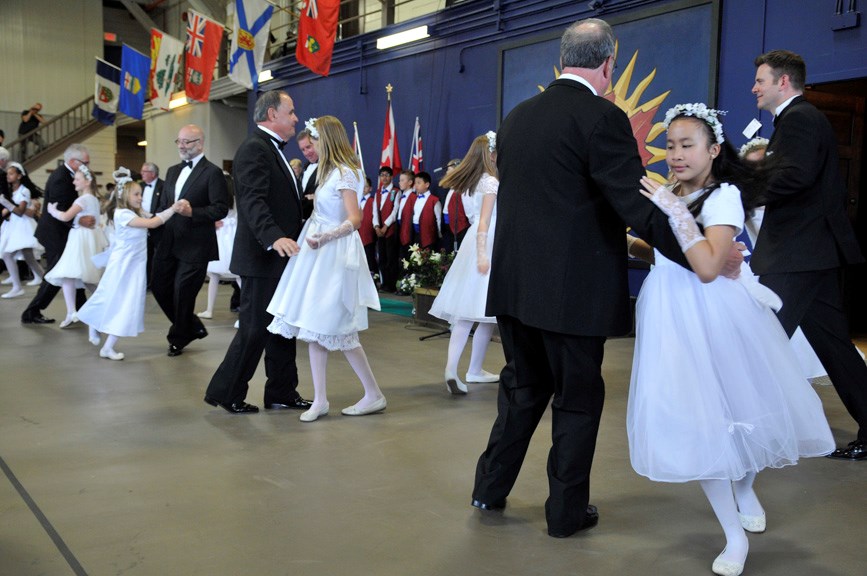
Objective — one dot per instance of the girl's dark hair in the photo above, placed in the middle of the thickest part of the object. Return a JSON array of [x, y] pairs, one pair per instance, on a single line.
[[35, 191]]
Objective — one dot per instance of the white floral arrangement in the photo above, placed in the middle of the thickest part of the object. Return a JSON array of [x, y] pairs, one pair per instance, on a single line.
[[310, 125], [121, 176], [698, 110], [754, 144], [88, 175], [492, 140]]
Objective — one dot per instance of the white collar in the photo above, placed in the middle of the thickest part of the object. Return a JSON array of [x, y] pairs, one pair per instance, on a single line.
[[782, 106], [579, 79], [195, 160], [270, 133]]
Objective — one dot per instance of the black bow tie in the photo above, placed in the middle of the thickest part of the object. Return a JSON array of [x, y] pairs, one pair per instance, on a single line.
[[187, 164], [280, 143]]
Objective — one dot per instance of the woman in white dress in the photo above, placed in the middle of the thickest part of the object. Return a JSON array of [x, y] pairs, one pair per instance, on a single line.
[[17, 237], [463, 295], [716, 392], [117, 307], [218, 270], [325, 290], [76, 269]]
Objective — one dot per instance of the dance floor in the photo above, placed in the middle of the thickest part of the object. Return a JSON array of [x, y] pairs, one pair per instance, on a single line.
[[119, 468]]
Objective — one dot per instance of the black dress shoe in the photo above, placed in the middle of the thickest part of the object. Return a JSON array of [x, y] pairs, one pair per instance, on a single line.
[[175, 350], [855, 450], [234, 408], [591, 519], [297, 404], [36, 319], [199, 334], [485, 506]]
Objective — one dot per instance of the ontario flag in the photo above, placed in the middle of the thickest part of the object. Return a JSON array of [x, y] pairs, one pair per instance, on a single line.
[[204, 37], [415, 160], [390, 152], [317, 27]]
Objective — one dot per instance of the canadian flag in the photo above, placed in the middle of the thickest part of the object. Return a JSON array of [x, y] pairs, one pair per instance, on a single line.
[[416, 157], [390, 153]]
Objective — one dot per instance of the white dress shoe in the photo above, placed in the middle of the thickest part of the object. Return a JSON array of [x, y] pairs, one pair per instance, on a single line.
[[313, 414], [454, 384], [483, 377], [726, 567], [754, 524], [69, 320], [6, 280], [13, 293], [110, 354], [354, 410], [206, 315], [37, 280]]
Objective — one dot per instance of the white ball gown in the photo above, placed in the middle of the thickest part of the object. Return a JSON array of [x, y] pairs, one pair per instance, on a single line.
[[225, 244], [464, 292], [324, 294], [18, 231], [117, 306], [81, 245], [716, 391]]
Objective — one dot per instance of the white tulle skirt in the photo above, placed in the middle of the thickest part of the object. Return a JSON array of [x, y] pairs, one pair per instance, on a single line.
[[76, 262]]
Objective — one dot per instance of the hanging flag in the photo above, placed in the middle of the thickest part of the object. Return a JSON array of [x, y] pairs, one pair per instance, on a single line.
[[107, 92], [356, 145], [415, 159], [317, 27], [166, 75], [249, 38], [204, 37], [390, 152], [135, 68]]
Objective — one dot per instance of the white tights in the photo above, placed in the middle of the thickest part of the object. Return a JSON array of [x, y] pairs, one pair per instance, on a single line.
[[68, 286], [726, 498], [458, 340], [357, 359], [213, 286], [12, 266]]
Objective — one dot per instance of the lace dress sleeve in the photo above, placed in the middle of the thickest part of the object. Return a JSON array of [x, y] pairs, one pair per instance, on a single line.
[[488, 184], [348, 181]]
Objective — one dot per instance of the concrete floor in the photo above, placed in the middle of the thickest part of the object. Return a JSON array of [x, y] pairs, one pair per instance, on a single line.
[[119, 468]]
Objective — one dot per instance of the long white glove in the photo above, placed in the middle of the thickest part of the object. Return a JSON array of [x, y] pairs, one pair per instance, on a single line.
[[165, 214], [319, 240], [682, 223], [52, 209], [483, 264], [7, 203]]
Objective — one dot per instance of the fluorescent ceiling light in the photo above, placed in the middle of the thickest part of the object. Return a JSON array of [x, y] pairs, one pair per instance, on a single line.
[[402, 38], [264, 76], [142, 143], [178, 99]]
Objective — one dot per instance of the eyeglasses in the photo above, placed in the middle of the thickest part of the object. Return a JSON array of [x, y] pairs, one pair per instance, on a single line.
[[80, 161], [186, 142]]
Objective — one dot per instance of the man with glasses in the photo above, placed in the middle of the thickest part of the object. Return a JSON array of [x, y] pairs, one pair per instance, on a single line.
[[189, 240], [52, 233]]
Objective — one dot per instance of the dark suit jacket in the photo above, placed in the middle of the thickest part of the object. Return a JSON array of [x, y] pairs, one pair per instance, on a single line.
[[268, 207], [310, 189], [156, 200], [194, 239], [50, 231], [569, 177], [805, 227]]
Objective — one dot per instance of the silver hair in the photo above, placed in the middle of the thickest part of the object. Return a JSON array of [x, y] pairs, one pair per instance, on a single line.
[[586, 44], [153, 167], [4, 153], [75, 152], [266, 101]]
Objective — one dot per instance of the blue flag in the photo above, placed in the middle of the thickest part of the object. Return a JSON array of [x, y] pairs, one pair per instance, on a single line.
[[134, 72], [107, 92]]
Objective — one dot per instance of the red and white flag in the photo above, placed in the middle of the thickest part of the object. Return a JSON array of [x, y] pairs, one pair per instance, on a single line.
[[415, 159], [356, 145], [204, 37], [390, 152]]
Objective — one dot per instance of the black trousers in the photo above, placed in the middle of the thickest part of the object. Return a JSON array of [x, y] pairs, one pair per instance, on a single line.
[[175, 285], [370, 254], [48, 291], [230, 382], [388, 248], [814, 301], [541, 365]]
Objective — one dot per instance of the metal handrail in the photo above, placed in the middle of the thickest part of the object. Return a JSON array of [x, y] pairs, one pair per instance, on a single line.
[[51, 132]]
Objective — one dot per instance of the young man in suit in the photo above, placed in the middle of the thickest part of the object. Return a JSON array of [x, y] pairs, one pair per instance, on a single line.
[[806, 238], [151, 197], [384, 216], [189, 240], [268, 201], [308, 175], [585, 168]]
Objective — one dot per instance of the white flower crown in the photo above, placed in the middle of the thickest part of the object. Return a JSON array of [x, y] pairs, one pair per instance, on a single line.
[[492, 140], [310, 125], [698, 110], [88, 175], [121, 176], [753, 144]]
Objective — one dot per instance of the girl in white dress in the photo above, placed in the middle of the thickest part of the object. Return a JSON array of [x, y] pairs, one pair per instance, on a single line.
[[76, 269], [325, 290], [18, 232], [716, 392], [464, 293], [219, 269], [117, 307]]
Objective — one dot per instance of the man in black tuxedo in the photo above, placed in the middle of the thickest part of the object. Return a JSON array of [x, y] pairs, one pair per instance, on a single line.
[[583, 181], [189, 240], [52, 233], [268, 201], [806, 238], [308, 174], [151, 199]]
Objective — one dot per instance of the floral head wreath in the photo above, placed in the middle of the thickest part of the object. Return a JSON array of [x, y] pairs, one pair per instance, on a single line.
[[752, 145], [88, 175], [492, 140], [700, 111], [121, 176], [18, 166], [310, 125]]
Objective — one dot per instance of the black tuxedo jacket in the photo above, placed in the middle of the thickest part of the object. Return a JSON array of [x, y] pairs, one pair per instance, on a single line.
[[157, 198], [310, 189], [805, 227], [193, 239], [50, 231], [268, 205], [569, 177]]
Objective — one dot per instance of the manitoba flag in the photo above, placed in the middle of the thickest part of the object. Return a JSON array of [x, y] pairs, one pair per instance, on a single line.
[[317, 27], [390, 153], [204, 37], [415, 160]]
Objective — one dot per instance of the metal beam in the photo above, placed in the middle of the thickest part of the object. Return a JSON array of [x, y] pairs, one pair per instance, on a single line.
[[139, 15], [202, 9]]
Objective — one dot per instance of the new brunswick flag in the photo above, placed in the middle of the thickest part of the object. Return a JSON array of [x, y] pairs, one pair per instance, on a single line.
[[204, 37], [317, 27]]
